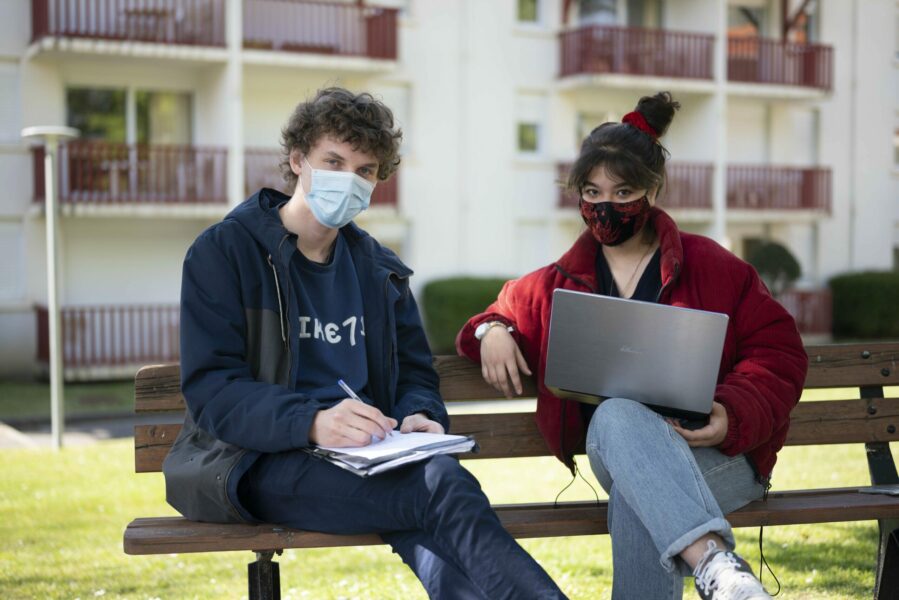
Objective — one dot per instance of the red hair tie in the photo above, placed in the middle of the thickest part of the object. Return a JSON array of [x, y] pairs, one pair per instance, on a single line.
[[639, 121]]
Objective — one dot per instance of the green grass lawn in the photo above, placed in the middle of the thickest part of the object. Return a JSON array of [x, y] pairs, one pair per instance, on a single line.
[[31, 400], [62, 516]]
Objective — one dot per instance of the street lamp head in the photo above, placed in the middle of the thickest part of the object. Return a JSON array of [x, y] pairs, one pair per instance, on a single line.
[[50, 132]]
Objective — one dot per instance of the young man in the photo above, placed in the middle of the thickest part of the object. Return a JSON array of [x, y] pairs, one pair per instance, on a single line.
[[280, 300]]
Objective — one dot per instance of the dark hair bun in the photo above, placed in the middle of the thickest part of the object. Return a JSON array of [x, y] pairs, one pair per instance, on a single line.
[[658, 110]]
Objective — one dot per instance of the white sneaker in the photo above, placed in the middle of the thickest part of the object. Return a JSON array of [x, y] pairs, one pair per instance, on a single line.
[[723, 575]]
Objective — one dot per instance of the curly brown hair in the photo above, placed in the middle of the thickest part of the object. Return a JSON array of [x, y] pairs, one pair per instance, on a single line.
[[359, 119]]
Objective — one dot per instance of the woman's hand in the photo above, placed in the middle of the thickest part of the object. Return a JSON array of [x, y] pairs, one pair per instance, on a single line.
[[709, 436], [420, 422], [501, 361]]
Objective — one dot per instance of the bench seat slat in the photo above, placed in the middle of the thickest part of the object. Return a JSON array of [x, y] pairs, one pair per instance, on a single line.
[[508, 435], [157, 388], [164, 535]]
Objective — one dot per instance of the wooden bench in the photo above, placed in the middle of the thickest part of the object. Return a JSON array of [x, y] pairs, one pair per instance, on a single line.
[[871, 420]]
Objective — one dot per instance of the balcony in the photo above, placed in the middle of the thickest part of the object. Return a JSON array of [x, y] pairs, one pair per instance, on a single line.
[[812, 310], [263, 170], [689, 187], [182, 22], [749, 188], [320, 28], [759, 60], [636, 51], [108, 174], [111, 340], [758, 188]]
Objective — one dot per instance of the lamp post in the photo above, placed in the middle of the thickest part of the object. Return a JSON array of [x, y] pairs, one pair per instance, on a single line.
[[51, 136]]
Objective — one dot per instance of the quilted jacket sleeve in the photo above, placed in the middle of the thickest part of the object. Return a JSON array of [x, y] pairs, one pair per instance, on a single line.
[[769, 369]]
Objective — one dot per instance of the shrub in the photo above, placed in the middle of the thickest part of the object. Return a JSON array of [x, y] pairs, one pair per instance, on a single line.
[[777, 267], [448, 303], [866, 305]]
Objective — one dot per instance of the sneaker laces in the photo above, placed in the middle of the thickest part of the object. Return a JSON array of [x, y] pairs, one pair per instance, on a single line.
[[723, 576]]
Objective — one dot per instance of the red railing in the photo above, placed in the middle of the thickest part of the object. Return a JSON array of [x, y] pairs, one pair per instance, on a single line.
[[263, 170], [320, 28], [689, 186], [107, 336], [190, 22], [759, 60], [94, 172], [778, 188], [812, 309], [636, 51]]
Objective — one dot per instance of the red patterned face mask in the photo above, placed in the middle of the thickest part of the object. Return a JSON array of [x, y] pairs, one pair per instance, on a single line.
[[614, 223]]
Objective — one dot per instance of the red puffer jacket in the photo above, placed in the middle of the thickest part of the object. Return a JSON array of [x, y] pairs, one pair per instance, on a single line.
[[763, 365]]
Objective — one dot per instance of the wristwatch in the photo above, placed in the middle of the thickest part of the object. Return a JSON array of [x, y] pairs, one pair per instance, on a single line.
[[484, 327]]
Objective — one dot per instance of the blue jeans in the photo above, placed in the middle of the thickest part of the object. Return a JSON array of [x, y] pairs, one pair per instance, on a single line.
[[663, 496], [433, 514]]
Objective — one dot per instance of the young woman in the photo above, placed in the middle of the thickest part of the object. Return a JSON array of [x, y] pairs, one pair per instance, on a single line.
[[669, 487]]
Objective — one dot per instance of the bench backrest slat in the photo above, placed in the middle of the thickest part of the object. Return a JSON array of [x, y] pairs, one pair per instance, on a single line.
[[514, 435], [157, 387]]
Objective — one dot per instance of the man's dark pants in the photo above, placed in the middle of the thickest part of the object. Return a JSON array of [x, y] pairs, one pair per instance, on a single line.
[[433, 514]]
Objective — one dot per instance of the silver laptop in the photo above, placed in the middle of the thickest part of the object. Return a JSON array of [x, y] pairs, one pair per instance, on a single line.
[[663, 356]]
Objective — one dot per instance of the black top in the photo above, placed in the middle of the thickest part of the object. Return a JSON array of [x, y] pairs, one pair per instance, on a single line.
[[647, 290]]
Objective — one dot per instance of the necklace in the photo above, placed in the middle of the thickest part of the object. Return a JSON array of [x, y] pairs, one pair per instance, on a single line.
[[623, 291]]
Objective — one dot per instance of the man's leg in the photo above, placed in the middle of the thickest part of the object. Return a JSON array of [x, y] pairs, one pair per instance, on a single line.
[[437, 497], [437, 573]]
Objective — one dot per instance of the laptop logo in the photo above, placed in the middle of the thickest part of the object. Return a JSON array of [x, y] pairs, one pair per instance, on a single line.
[[630, 350]]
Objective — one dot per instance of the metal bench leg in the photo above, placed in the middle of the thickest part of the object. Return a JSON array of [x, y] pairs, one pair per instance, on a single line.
[[264, 577], [886, 585], [883, 472]]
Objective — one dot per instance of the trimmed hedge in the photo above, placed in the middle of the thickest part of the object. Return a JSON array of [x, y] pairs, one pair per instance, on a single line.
[[448, 303], [866, 305]]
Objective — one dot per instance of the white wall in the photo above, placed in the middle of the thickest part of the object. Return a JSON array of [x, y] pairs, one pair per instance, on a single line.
[[124, 261], [15, 27]]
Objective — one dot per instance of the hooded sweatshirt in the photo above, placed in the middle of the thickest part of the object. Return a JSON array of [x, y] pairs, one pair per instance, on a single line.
[[239, 353]]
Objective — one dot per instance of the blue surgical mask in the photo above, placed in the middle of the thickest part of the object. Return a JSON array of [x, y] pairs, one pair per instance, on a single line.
[[336, 197]]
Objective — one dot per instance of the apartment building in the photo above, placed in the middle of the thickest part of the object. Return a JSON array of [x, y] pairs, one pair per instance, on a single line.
[[786, 133]]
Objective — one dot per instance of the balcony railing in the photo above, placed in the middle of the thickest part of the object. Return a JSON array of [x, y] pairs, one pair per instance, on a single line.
[[778, 188], [109, 336], [812, 310], [636, 51], [320, 28], [263, 170], [689, 186], [93, 172], [189, 22], [758, 60]]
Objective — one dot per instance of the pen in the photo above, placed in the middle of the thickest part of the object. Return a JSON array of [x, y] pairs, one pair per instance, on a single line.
[[349, 391]]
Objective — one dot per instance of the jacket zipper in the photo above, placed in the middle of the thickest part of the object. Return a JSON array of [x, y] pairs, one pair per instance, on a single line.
[[280, 304]]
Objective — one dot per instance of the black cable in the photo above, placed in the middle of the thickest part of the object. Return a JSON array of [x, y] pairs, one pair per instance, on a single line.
[[763, 564], [577, 473]]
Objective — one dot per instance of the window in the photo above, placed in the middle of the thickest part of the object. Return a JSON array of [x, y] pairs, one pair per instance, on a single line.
[[528, 11], [98, 113], [598, 12], [746, 21], [102, 114], [528, 138], [163, 118]]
